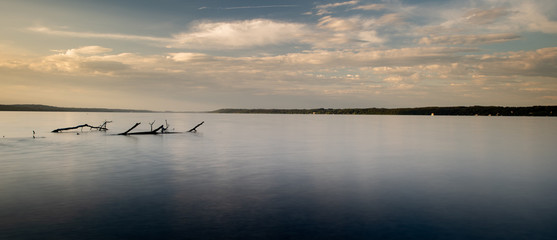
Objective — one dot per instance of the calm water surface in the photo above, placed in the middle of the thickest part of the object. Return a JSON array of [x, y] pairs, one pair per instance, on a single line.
[[278, 177]]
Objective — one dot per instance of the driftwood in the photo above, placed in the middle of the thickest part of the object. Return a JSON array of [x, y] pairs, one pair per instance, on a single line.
[[126, 132], [102, 127], [194, 129], [70, 128], [162, 129]]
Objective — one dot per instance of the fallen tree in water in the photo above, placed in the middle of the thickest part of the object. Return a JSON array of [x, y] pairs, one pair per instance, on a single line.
[[102, 127], [160, 130]]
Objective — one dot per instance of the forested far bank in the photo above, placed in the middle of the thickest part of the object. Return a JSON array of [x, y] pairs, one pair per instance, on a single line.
[[457, 111], [46, 108]]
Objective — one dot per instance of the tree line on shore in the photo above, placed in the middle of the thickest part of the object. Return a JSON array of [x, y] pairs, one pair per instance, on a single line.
[[46, 108], [459, 110]]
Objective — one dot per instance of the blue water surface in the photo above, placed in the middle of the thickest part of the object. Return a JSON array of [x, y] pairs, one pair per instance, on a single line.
[[278, 177]]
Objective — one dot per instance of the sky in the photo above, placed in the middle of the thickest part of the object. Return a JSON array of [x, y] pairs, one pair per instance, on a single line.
[[182, 55]]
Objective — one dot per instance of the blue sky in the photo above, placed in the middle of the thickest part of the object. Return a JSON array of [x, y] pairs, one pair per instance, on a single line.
[[205, 55]]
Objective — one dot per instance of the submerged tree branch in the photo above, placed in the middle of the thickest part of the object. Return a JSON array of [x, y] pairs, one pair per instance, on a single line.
[[126, 132], [194, 129], [102, 127], [161, 128]]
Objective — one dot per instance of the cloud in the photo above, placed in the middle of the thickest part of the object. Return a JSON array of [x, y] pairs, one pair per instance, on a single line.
[[390, 19], [352, 32], [469, 39], [339, 24], [88, 60], [89, 50], [520, 64], [334, 5], [481, 16], [539, 63], [355, 73], [256, 7], [83, 61], [189, 57], [211, 35], [323, 8], [46, 30], [370, 7], [531, 17], [439, 62], [507, 16], [102, 66], [239, 34]]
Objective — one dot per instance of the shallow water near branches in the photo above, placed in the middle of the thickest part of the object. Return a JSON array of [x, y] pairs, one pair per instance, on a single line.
[[278, 176]]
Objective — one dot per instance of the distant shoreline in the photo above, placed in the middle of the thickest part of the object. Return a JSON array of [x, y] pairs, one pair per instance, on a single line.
[[46, 108], [450, 111]]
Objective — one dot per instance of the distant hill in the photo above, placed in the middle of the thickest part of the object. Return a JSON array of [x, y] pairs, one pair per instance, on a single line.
[[45, 108], [460, 110]]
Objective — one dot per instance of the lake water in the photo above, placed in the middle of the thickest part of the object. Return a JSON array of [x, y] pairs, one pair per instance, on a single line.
[[278, 177]]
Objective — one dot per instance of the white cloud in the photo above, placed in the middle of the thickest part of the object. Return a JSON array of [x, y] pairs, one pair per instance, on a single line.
[[188, 57], [239, 34], [352, 32], [90, 60], [89, 50]]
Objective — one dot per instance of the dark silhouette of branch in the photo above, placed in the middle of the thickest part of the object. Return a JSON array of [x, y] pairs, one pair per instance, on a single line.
[[71, 128], [194, 129], [126, 132], [161, 128], [102, 127]]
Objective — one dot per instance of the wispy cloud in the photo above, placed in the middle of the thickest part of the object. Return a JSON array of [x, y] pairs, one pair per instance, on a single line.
[[481, 16], [46, 30], [512, 16], [209, 35], [256, 7], [251, 7], [339, 4], [469, 39], [324, 8], [370, 7]]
